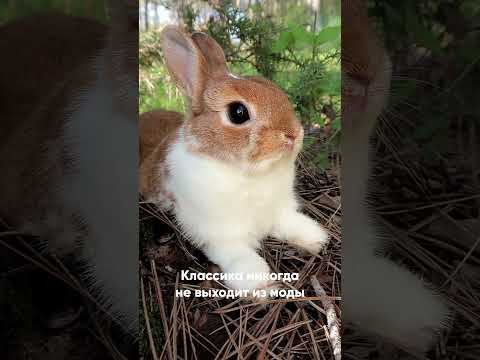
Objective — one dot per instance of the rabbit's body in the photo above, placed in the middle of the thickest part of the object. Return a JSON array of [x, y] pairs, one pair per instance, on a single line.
[[380, 296], [70, 138], [229, 182]]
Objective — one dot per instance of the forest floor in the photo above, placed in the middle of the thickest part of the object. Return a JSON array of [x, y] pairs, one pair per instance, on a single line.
[[42, 315]]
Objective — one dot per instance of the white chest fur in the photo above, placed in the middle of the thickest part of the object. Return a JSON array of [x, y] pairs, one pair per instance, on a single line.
[[212, 196]]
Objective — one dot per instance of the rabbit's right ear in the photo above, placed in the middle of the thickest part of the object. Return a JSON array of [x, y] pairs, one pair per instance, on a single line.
[[212, 53]]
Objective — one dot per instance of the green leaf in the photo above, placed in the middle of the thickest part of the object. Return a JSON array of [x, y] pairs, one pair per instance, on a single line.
[[336, 124], [327, 34], [322, 160], [317, 119], [331, 83], [428, 39], [284, 41], [302, 37], [422, 35]]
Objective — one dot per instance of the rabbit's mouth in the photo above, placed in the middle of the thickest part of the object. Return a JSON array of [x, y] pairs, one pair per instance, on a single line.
[[285, 154], [266, 163]]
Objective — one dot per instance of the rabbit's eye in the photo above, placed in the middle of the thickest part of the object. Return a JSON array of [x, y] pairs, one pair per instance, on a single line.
[[238, 113]]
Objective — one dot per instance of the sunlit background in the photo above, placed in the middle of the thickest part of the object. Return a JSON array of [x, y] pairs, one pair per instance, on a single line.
[[155, 14]]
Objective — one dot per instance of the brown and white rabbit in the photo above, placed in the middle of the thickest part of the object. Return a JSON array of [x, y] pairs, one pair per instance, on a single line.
[[379, 296], [227, 170], [68, 164]]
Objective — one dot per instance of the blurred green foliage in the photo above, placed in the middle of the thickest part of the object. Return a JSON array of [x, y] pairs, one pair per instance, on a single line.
[[301, 59], [434, 45], [12, 9]]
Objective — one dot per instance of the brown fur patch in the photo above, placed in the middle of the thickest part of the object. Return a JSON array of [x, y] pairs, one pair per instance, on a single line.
[[157, 131], [362, 54]]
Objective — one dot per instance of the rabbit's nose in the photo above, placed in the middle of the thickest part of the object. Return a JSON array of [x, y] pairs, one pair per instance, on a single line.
[[290, 137], [290, 140]]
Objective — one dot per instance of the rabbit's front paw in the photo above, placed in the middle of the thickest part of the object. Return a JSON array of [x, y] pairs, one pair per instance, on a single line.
[[301, 231], [312, 240], [309, 236]]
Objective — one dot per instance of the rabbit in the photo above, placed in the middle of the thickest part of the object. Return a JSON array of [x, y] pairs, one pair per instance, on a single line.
[[68, 123], [379, 296], [227, 170]]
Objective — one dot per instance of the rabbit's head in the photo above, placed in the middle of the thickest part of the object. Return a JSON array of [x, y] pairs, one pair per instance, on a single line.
[[245, 121], [366, 69]]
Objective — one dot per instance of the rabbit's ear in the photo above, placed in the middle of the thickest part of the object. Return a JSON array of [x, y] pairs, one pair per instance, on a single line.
[[185, 63], [192, 61], [212, 53]]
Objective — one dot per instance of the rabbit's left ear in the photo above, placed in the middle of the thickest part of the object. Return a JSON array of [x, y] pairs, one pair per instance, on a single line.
[[212, 53], [192, 61]]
